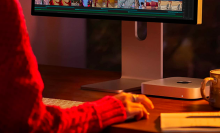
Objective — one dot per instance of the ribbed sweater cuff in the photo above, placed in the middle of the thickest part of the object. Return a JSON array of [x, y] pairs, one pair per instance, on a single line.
[[110, 110]]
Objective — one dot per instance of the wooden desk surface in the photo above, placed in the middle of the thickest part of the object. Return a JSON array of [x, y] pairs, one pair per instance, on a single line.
[[65, 83]]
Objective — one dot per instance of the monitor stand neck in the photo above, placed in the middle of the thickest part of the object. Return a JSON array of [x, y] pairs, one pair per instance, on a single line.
[[142, 60]]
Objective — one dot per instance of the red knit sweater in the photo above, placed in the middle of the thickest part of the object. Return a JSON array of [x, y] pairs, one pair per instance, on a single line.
[[21, 107]]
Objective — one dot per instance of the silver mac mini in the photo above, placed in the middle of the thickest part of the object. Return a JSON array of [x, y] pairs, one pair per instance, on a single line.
[[174, 87]]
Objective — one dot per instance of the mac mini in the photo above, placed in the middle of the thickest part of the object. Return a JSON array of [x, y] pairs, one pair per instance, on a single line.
[[175, 87]]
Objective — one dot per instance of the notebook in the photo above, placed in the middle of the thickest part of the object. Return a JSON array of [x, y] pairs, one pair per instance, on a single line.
[[60, 102], [190, 122]]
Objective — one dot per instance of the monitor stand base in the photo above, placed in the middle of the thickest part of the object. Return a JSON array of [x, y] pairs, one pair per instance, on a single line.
[[142, 58], [116, 86]]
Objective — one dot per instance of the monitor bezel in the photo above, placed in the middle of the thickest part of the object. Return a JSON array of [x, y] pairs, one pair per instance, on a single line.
[[123, 18]]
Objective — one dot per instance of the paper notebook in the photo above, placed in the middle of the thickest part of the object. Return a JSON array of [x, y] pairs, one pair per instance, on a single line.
[[190, 122]]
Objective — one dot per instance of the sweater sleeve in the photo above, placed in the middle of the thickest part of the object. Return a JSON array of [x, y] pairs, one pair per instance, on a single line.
[[89, 117], [21, 103]]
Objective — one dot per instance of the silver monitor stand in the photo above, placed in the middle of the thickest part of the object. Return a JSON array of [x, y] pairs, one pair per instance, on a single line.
[[142, 60]]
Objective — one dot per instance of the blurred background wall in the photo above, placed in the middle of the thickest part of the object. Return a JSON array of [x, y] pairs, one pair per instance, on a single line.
[[189, 50], [193, 50], [104, 44], [56, 41]]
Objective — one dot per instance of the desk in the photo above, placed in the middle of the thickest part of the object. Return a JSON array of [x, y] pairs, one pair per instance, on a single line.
[[65, 83]]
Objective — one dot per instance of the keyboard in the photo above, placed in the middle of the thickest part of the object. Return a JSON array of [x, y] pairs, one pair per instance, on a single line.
[[60, 102]]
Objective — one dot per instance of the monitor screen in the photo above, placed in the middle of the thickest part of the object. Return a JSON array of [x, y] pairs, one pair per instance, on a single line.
[[170, 11]]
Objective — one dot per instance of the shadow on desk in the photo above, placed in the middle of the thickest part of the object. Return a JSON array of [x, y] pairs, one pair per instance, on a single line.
[[133, 126]]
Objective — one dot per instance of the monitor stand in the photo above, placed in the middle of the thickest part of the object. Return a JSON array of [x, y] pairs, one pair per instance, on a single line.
[[142, 60]]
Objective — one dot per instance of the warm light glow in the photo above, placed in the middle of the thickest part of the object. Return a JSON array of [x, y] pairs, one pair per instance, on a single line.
[[199, 15]]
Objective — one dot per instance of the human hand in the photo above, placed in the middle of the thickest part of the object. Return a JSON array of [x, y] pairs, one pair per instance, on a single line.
[[135, 105]]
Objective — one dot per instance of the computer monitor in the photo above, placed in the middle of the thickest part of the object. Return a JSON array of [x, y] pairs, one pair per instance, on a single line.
[[171, 11], [142, 57]]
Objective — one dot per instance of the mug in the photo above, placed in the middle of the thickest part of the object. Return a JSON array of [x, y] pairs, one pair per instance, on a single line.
[[214, 96]]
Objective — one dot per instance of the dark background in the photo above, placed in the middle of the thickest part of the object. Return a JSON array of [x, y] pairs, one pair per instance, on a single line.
[[189, 50]]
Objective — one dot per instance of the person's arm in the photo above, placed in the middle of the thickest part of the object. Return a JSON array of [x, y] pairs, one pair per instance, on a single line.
[[22, 109], [89, 117], [21, 104]]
